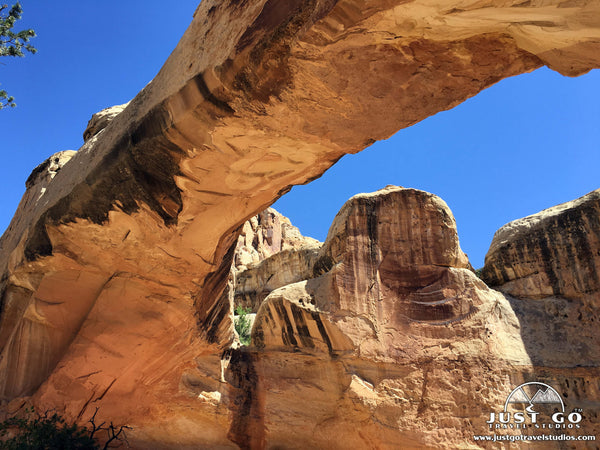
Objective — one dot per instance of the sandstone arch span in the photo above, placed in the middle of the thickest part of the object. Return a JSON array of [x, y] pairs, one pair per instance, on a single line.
[[112, 269]]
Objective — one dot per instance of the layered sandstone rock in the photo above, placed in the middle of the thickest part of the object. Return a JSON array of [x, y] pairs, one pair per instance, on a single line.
[[555, 252], [251, 286], [396, 344], [391, 260], [267, 234], [111, 281], [389, 336], [270, 253]]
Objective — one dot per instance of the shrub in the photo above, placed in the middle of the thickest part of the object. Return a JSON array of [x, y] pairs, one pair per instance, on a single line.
[[242, 324], [50, 431]]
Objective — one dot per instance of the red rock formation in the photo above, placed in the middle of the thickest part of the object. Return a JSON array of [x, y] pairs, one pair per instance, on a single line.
[[397, 344], [267, 234], [251, 286], [270, 253], [111, 281]]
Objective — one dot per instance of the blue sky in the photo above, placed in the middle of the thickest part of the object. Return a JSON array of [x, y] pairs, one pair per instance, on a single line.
[[523, 145]]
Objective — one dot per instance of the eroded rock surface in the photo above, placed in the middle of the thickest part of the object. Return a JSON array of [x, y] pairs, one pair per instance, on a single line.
[[391, 263], [288, 266], [265, 235], [405, 339], [101, 119], [395, 326], [555, 252], [270, 253], [111, 282]]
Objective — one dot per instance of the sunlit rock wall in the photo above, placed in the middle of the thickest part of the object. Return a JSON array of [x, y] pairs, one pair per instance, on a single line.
[[552, 253], [111, 281]]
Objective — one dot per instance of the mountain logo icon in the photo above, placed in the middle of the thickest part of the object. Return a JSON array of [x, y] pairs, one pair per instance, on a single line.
[[534, 393]]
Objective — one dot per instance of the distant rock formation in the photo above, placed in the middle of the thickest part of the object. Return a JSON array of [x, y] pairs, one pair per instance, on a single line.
[[555, 252], [270, 253], [266, 234]]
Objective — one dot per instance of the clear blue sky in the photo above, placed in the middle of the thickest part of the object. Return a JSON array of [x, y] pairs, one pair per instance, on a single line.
[[523, 145]]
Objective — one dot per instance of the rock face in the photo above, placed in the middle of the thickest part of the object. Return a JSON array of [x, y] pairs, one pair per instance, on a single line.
[[555, 252], [100, 120], [270, 253], [267, 234], [393, 342], [111, 281], [410, 244], [252, 285], [386, 336]]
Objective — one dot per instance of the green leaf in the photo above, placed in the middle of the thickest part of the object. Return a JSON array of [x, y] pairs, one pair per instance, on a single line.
[[13, 43]]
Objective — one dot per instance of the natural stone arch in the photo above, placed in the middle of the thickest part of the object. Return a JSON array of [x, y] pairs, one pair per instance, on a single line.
[[257, 97]]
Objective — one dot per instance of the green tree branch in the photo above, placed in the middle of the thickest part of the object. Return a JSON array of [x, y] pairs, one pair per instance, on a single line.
[[13, 43]]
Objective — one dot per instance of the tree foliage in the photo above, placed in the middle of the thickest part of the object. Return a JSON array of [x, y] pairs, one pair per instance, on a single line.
[[13, 43], [242, 324]]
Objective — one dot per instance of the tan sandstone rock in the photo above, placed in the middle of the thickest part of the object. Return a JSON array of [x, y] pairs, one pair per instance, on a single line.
[[252, 285], [390, 337], [555, 252], [101, 119], [266, 234], [394, 346], [111, 282], [270, 253]]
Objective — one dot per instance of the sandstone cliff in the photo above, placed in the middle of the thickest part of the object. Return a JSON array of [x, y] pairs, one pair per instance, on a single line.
[[551, 253], [550, 261], [270, 253], [112, 280], [392, 339], [386, 338]]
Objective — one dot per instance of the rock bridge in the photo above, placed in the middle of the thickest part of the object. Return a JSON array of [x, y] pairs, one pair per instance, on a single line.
[[112, 269]]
